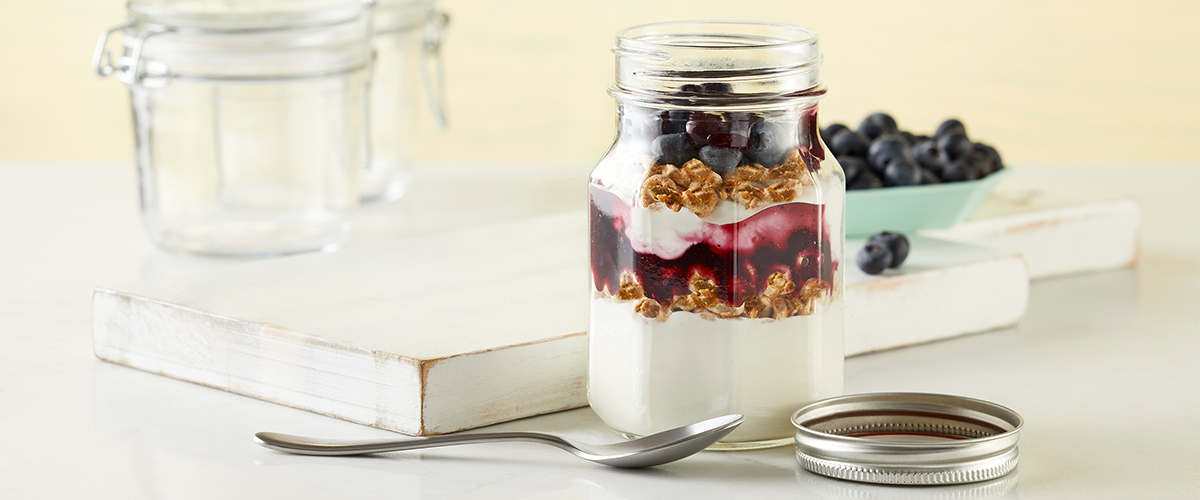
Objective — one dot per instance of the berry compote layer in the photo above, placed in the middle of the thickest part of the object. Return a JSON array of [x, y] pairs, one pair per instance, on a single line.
[[665, 250]]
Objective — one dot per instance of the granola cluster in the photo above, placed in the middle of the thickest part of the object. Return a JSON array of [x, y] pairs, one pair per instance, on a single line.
[[700, 189], [778, 300]]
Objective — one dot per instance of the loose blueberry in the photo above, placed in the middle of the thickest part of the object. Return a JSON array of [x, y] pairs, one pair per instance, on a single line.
[[896, 244], [719, 159], [767, 145], [885, 149], [873, 258], [954, 146], [677, 120], [956, 172], [848, 143], [832, 130], [929, 177], [948, 127], [867, 179], [673, 149], [883, 120], [853, 167], [926, 154], [900, 172]]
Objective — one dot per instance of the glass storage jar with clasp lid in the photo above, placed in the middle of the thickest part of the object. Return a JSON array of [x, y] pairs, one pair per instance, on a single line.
[[716, 234], [407, 36], [250, 120]]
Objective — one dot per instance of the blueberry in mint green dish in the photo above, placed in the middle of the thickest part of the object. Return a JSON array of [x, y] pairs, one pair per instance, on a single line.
[[909, 180]]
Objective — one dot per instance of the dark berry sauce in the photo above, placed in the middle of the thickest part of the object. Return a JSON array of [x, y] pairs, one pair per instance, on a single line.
[[791, 238]]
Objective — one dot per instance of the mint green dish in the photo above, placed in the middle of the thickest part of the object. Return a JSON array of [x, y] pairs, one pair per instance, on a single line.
[[911, 208]]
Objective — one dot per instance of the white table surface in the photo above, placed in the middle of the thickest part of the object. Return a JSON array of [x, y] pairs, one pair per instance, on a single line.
[[1105, 369]]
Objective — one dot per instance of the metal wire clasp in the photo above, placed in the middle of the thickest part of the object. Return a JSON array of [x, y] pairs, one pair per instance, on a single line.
[[432, 72], [129, 68], [102, 62]]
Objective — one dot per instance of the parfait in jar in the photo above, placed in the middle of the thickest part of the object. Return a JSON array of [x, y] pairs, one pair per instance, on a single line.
[[716, 235]]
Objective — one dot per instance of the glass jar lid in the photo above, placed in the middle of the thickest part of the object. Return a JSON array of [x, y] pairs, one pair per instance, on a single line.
[[243, 14], [157, 56], [907, 438]]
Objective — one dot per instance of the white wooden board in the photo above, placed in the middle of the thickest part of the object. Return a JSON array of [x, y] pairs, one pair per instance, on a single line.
[[454, 331], [423, 336], [1059, 231], [942, 290]]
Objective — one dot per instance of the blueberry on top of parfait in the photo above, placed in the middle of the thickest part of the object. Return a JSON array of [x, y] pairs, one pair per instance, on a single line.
[[673, 149], [768, 146]]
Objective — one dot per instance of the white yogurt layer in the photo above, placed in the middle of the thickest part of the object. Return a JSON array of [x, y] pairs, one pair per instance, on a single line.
[[647, 376]]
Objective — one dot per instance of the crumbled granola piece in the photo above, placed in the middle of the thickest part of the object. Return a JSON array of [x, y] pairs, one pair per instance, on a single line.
[[751, 173], [648, 308], [778, 285], [696, 169], [700, 284], [805, 307], [810, 294], [813, 289], [758, 307], [683, 303], [749, 195], [694, 185], [677, 175], [661, 189], [725, 311], [781, 190], [630, 289], [704, 292], [785, 307]]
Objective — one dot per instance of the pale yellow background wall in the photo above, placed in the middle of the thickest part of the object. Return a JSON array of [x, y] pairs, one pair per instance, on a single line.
[[1046, 81]]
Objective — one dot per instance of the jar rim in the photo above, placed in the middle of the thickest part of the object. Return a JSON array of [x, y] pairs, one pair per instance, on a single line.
[[640, 35], [717, 61]]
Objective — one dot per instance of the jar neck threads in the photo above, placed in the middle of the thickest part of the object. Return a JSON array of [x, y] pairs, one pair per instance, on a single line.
[[717, 63]]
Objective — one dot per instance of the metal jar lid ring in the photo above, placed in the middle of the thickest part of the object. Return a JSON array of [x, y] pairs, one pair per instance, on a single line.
[[907, 438]]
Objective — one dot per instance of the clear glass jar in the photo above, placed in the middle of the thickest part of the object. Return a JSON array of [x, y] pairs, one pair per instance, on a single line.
[[716, 234], [407, 39], [250, 121]]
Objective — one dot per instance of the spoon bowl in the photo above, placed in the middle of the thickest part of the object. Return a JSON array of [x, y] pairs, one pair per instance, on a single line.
[[656, 449]]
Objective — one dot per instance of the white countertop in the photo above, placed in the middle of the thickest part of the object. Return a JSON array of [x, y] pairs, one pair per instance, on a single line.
[[1105, 369]]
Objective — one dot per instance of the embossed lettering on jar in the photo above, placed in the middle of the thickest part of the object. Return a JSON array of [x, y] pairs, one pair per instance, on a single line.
[[716, 234]]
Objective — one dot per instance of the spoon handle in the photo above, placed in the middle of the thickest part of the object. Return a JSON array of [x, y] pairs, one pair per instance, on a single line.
[[301, 445]]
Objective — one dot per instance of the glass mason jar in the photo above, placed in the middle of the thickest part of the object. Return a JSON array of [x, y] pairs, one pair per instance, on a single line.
[[250, 121], [716, 234], [407, 39]]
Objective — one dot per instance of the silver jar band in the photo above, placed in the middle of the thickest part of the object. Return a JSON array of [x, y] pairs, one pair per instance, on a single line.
[[907, 438]]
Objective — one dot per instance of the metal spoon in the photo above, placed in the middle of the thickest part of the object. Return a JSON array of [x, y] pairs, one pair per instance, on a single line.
[[655, 449]]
